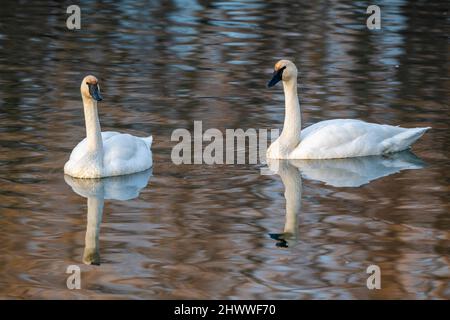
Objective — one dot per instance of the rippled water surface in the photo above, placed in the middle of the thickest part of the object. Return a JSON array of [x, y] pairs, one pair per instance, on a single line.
[[200, 231]]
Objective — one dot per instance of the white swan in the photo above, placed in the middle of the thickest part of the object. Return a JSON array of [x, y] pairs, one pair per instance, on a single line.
[[105, 154], [96, 191], [338, 138]]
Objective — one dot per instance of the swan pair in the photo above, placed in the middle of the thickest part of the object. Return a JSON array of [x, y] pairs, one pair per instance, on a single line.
[[104, 154]]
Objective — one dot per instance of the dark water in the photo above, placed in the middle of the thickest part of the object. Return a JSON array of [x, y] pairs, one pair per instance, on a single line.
[[199, 231]]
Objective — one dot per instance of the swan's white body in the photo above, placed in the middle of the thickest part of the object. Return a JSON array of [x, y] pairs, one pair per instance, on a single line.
[[346, 138], [106, 154], [122, 154], [331, 139]]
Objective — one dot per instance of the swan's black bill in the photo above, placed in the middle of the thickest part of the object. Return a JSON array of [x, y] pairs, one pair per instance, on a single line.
[[95, 91], [277, 77]]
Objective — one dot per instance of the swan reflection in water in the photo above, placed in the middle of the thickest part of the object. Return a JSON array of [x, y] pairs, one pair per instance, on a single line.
[[349, 172], [97, 191]]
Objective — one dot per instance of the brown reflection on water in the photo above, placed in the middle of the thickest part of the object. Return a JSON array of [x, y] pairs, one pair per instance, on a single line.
[[202, 231]]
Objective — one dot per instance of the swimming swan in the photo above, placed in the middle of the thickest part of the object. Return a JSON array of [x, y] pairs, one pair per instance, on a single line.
[[105, 154], [330, 139]]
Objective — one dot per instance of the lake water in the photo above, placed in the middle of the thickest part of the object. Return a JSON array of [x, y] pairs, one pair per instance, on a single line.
[[216, 231]]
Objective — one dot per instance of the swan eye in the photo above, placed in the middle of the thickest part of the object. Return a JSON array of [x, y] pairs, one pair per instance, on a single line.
[[279, 72]]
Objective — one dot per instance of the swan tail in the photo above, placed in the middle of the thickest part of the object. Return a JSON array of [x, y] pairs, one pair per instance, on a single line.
[[403, 140], [148, 141]]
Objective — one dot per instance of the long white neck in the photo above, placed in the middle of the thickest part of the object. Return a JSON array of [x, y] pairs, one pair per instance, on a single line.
[[91, 253], [290, 135], [93, 130]]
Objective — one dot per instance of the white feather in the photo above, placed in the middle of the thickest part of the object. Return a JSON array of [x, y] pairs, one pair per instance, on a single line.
[[122, 154], [346, 138], [332, 139]]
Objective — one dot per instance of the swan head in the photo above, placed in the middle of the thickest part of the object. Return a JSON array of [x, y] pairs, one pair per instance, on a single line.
[[284, 70], [90, 88]]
